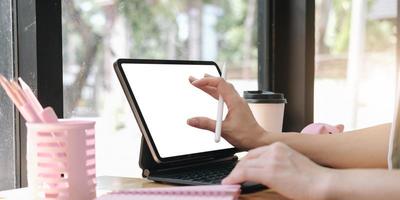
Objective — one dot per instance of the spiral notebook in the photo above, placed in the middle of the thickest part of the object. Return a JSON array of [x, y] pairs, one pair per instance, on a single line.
[[219, 192]]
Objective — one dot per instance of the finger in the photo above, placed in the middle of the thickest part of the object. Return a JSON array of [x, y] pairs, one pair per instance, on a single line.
[[208, 75], [212, 91], [241, 175], [257, 152], [202, 123], [191, 79], [211, 81], [267, 150], [252, 163], [239, 171], [227, 91]]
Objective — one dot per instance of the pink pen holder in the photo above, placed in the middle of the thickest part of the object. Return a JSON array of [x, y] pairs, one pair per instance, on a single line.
[[61, 160]]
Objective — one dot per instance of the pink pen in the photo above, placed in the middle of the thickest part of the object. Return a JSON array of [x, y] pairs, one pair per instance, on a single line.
[[18, 100], [30, 96], [5, 84], [45, 115], [48, 115], [26, 109]]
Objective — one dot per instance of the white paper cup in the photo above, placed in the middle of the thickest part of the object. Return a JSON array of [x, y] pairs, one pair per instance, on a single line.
[[267, 107]]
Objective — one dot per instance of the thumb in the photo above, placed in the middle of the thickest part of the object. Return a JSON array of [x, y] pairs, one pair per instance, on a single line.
[[202, 123]]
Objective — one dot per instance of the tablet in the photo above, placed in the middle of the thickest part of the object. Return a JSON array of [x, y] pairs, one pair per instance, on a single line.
[[162, 99]]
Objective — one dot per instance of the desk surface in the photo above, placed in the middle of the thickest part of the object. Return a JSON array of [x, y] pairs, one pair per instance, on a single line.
[[107, 183]]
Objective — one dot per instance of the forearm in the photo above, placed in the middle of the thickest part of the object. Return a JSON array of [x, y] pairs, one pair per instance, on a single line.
[[363, 184], [364, 148]]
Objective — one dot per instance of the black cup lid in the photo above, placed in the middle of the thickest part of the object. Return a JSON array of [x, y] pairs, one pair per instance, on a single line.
[[260, 96]]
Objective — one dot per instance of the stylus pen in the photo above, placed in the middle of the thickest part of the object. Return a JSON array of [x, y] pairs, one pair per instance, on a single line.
[[220, 112]]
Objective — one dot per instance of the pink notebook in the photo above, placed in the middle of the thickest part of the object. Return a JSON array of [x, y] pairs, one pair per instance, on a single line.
[[220, 192]]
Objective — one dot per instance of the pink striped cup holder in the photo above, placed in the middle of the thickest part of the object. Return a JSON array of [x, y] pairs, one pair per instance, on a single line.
[[61, 160]]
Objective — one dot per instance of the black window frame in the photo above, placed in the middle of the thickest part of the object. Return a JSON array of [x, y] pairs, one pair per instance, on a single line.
[[38, 60], [288, 66], [285, 29]]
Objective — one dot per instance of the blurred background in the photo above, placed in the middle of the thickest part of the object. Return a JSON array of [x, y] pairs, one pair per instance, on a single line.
[[355, 62], [355, 59]]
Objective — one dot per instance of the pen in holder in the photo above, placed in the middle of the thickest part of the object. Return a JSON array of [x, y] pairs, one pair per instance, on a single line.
[[61, 160]]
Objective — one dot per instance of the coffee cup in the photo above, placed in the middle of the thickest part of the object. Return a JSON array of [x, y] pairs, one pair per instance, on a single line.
[[267, 107]]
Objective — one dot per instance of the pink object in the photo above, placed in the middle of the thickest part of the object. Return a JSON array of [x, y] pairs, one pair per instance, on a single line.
[[30, 97], [221, 192], [48, 115], [45, 115], [61, 160], [18, 98], [321, 128]]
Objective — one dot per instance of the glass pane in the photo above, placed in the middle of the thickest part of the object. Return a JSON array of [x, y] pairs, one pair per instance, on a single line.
[[355, 62], [7, 148], [97, 32]]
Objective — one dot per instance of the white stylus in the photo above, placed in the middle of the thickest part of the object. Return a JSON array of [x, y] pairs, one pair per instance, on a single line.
[[220, 112]]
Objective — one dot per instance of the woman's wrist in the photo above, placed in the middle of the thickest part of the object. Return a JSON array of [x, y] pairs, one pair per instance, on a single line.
[[265, 138], [327, 184], [268, 138]]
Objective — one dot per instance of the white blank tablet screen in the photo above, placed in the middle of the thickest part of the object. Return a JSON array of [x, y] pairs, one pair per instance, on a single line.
[[166, 100]]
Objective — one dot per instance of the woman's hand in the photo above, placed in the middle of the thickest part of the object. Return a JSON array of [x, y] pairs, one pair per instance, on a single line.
[[284, 170], [239, 127]]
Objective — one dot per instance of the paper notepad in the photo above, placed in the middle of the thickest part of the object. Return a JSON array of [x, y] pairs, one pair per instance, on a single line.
[[220, 192]]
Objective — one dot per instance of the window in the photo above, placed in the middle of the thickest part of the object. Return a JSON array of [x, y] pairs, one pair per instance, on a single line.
[[355, 60], [96, 33], [7, 147]]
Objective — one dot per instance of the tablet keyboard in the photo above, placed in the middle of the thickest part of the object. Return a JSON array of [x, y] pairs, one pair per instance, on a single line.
[[210, 175], [205, 175]]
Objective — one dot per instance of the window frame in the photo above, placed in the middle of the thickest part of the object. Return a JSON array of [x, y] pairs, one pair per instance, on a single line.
[[38, 60], [292, 36], [289, 33], [7, 118]]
